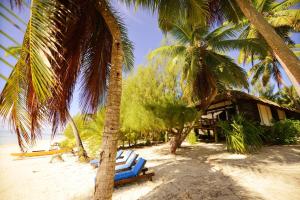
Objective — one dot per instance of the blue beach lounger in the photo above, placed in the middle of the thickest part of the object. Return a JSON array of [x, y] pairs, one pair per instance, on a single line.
[[129, 163], [95, 162], [133, 174], [119, 153], [125, 157]]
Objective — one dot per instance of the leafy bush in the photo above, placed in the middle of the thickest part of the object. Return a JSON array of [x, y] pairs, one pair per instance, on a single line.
[[90, 130], [284, 132], [242, 136], [192, 138], [67, 143]]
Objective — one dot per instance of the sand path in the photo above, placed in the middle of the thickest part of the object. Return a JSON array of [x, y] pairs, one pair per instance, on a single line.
[[202, 171]]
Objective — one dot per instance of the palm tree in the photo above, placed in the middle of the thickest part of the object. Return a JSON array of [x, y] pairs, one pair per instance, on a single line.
[[65, 40], [284, 55], [266, 68], [283, 20], [80, 148], [289, 98], [266, 92], [204, 12], [205, 68], [15, 51]]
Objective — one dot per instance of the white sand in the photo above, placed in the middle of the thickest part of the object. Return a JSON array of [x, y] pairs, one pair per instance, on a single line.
[[202, 171]]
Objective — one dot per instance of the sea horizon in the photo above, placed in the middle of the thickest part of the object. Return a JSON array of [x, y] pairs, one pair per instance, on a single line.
[[9, 137]]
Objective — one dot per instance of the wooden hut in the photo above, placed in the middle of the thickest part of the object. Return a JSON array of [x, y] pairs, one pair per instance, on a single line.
[[233, 102]]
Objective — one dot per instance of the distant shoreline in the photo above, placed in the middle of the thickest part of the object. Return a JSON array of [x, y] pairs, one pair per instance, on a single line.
[[8, 138]]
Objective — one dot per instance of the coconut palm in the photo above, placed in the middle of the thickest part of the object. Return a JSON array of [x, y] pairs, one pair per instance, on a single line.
[[267, 67], [284, 21], [206, 67], [65, 41], [204, 12], [15, 51], [284, 55], [266, 92], [288, 97]]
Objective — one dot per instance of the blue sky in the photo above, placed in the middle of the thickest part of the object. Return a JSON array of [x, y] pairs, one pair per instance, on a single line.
[[142, 28]]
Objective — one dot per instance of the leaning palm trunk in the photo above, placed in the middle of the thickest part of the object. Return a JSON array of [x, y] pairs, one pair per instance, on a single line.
[[175, 143], [105, 175], [285, 56], [80, 148]]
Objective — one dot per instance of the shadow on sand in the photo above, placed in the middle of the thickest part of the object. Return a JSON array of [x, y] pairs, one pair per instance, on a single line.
[[191, 176]]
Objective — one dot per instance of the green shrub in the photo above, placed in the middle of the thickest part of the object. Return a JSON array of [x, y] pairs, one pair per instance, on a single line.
[[90, 130], [67, 143], [242, 136], [284, 132], [192, 138]]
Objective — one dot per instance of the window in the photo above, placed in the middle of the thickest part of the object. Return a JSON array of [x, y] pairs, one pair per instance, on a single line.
[[281, 114], [265, 114]]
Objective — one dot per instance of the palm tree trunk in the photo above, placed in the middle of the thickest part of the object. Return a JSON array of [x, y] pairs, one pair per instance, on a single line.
[[284, 55], [174, 142], [80, 148], [106, 171]]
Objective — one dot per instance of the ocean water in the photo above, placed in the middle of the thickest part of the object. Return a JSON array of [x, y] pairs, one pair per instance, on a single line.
[[8, 137]]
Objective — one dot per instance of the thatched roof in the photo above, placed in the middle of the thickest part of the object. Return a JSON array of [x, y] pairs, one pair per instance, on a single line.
[[235, 95]]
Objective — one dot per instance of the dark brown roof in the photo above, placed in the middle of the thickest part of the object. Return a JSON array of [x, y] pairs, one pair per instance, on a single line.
[[235, 95]]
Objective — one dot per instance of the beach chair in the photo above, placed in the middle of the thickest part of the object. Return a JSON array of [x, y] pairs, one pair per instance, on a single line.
[[95, 162], [129, 163], [133, 174], [123, 160], [119, 153]]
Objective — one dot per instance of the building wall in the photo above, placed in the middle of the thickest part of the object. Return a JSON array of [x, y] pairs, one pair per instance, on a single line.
[[274, 113], [249, 110], [292, 115]]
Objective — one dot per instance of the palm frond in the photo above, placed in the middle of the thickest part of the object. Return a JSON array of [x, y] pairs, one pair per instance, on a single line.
[[32, 79], [95, 78], [96, 61], [6, 63], [11, 21], [3, 77], [173, 50], [276, 73], [13, 14], [226, 70], [224, 10], [7, 52], [257, 74], [190, 11], [13, 104], [286, 4], [223, 33], [39, 47], [182, 33], [14, 50], [127, 45], [289, 18], [249, 45], [17, 3], [9, 37]]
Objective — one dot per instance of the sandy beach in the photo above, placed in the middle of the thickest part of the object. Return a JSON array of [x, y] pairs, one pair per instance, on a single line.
[[201, 171]]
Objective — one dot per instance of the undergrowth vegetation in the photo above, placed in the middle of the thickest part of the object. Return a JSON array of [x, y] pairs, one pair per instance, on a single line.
[[242, 136], [284, 132]]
